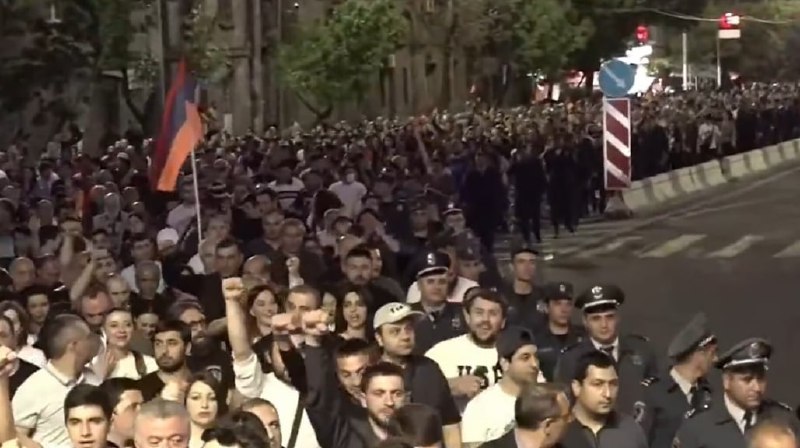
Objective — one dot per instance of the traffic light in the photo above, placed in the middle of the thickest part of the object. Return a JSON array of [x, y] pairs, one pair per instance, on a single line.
[[729, 26], [729, 21], [642, 34]]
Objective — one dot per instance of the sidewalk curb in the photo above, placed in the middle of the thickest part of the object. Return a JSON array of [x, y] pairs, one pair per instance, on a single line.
[[677, 210]]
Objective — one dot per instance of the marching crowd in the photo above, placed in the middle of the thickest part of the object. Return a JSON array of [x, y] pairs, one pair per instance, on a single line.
[[337, 289]]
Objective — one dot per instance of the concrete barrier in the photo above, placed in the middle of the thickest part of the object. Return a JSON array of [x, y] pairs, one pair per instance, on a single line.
[[773, 155], [756, 160], [789, 150], [736, 166], [665, 187]]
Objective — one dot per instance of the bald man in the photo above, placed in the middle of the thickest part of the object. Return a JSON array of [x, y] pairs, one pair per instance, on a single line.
[[771, 434], [255, 272]]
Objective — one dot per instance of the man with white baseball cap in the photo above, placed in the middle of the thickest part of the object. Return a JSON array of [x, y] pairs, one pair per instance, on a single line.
[[394, 331]]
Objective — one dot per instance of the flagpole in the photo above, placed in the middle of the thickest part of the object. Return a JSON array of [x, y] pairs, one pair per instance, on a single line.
[[195, 182]]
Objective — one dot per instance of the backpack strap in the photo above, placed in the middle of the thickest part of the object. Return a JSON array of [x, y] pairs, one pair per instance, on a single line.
[[298, 418], [138, 361]]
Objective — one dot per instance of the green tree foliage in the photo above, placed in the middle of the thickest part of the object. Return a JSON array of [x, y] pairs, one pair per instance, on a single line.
[[88, 39], [333, 62], [540, 35]]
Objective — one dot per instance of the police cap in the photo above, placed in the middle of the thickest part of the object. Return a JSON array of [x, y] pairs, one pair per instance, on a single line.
[[600, 298], [434, 263], [558, 291], [522, 247], [467, 251], [750, 352], [691, 337], [452, 209]]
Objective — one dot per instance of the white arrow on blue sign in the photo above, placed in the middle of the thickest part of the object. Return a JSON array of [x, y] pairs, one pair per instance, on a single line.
[[616, 78]]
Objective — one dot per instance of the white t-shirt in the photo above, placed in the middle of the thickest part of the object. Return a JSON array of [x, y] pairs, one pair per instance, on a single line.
[[126, 367], [287, 193], [460, 356], [251, 382], [38, 405], [181, 216], [350, 195], [457, 295], [478, 425], [32, 355], [196, 263]]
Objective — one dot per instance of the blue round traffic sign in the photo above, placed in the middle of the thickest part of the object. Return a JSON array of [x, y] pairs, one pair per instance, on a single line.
[[616, 78]]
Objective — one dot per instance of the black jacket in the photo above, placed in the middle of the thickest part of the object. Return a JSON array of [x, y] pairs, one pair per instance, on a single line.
[[326, 411]]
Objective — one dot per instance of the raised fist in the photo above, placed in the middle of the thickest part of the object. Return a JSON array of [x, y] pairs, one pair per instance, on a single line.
[[232, 288]]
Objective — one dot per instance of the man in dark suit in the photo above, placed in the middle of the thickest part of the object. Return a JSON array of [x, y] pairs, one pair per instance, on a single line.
[[542, 415]]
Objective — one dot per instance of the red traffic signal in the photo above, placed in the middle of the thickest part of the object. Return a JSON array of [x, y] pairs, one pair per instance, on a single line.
[[729, 21], [642, 34]]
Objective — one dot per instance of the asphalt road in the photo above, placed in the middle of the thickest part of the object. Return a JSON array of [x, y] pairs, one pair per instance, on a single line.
[[737, 259]]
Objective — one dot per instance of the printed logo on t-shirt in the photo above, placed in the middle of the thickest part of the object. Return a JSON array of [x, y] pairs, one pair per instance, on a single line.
[[482, 372]]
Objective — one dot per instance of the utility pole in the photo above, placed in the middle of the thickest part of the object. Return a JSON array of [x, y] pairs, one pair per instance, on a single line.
[[685, 39], [258, 69], [278, 85]]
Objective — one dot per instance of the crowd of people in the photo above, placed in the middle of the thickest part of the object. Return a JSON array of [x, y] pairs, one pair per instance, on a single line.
[[338, 289]]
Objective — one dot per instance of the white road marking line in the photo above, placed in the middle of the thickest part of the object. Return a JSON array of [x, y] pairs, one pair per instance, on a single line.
[[609, 247], [672, 246], [789, 252], [736, 248]]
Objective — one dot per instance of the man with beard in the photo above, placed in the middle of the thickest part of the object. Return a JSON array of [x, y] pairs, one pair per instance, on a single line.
[[205, 351], [253, 380], [395, 328], [383, 392], [469, 362], [170, 343], [517, 351]]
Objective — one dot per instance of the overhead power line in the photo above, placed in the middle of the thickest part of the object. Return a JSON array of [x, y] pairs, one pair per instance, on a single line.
[[681, 16]]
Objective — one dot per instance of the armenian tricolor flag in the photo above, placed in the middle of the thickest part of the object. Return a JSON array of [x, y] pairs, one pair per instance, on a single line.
[[181, 131]]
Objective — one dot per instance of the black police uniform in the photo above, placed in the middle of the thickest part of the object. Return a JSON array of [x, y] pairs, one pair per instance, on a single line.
[[714, 426], [525, 310], [664, 404], [549, 345], [445, 323], [635, 358]]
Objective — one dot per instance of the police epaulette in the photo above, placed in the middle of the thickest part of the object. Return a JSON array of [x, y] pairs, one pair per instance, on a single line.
[[781, 405], [569, 347], [695, 411], [648, 381]]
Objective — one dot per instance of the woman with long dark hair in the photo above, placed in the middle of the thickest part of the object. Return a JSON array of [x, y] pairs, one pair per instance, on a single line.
[[353, 318]]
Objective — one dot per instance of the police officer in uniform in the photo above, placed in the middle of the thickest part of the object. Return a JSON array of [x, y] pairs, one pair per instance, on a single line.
[[633, 354], [443, 320], [558, 332], [725, 422], [667, 398], [526, 304]]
